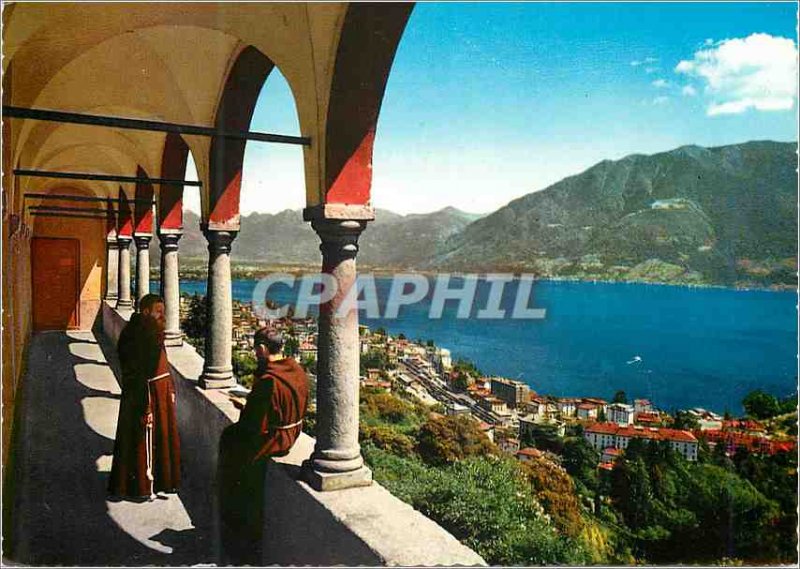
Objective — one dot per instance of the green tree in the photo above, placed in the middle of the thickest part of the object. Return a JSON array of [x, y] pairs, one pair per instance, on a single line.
[[544, 437], [580, 460], [620, 397], [486, 503], [685, 421], [292, 346], [631, 492], [555, 491], [462, 381], [387, 438], [376, 359], [194, 325], [244, 366], [760, 404], [444, 440]]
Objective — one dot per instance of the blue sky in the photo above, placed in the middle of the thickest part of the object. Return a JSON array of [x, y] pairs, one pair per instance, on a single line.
[[488, 102]]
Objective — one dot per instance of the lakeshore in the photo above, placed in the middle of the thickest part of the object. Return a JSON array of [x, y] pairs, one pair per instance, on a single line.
[[697, 347], [193, 269]]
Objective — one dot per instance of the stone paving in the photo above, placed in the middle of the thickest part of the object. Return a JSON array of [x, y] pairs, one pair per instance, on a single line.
[[62, 457]]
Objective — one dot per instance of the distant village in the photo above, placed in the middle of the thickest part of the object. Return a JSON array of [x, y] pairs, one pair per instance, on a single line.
[[509, 412]]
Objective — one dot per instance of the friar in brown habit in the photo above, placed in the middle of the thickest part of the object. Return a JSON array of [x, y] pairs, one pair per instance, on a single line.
[[147, 447], [269, 424]]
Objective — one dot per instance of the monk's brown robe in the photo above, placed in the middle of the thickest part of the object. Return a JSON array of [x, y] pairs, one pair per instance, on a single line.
[[268, 426], [146, 459]]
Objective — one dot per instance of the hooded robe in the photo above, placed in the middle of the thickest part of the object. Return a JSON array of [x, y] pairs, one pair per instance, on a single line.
[[146, 453], [268, 426]]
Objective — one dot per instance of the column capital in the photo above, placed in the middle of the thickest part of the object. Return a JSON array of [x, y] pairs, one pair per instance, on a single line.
[[124, 241], [219, 241], [142, 240], [339, 237], [339, 211], [170, 231], [169, 241], [112, 242]]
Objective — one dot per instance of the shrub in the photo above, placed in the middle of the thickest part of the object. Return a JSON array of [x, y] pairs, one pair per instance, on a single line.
[[485, 502], [444, 440], [385, 438]]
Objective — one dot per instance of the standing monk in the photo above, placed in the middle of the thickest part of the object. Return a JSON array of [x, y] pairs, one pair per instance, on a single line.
[[269, 425], [147, 447]]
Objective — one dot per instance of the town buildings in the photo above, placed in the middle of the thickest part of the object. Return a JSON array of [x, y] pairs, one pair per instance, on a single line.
[[514, 393], [621, 413], [609, 435]]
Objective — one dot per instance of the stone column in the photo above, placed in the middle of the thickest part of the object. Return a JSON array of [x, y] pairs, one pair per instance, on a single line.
[[142, 265], [217, 370], [124, 301], [170, 286], [337, 462], [112, 267]]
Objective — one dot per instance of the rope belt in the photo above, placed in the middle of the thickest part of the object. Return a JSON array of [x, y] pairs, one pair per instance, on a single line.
[[286, 427], [156, 378]]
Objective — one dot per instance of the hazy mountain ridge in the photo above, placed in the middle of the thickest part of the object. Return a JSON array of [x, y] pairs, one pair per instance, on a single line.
[[707, 215], [704, 210], [392, 240]]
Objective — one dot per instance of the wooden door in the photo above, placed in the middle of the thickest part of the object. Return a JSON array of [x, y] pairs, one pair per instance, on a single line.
[[54, 264]]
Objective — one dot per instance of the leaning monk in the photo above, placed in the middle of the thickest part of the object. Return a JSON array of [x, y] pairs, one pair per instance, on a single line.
[[147, 447], [269, 424]]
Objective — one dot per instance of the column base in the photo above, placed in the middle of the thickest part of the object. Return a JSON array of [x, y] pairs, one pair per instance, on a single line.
[[330, 481], [111, 298], [124, 305], [217, 379], [173, 339]]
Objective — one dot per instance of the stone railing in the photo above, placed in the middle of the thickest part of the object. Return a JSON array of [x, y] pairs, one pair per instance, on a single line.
[[356, 526]]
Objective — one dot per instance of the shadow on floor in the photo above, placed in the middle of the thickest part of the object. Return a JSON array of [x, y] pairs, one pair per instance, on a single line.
[[62, 455]]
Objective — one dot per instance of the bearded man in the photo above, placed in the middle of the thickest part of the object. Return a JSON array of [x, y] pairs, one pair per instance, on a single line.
[[147, 447], [270, 423]]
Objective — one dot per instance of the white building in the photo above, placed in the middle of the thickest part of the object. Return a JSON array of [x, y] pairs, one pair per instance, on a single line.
[[586, 411], [443, 360], [567, 407], [621, 413], [608, 435]]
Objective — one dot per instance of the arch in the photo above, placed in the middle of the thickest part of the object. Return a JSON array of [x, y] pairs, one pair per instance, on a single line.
[[59, 187], [226, 156], [169, 200], [143, 207], [125, 216], [367, 45]]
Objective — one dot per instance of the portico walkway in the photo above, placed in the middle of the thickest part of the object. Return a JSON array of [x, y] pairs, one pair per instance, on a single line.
[[67, 425]]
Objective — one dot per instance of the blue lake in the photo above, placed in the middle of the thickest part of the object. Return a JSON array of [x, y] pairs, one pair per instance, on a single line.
[[697, 347]]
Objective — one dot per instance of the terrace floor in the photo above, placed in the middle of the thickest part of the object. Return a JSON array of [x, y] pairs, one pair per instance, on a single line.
[[62, 457]]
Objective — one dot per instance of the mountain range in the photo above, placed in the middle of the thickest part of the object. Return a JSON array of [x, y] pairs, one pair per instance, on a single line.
[[720, 215]]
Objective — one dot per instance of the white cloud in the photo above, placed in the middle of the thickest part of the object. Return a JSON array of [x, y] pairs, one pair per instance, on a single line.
[[660, 83], [650, 70], [689, 91], [645, 61], [757, 72], [662, 100]]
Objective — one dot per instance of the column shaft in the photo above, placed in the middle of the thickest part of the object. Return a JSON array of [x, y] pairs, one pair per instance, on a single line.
[[124, 301], [337, 462], [170, 287], [142, 265], [217, 370], [112, 268]]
